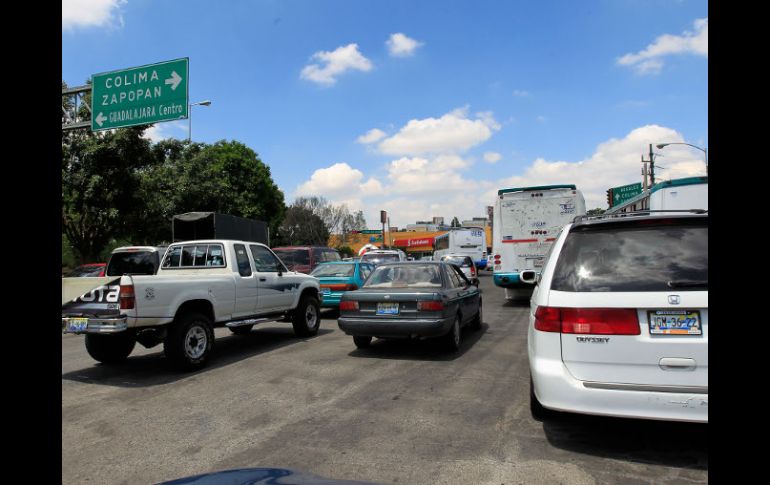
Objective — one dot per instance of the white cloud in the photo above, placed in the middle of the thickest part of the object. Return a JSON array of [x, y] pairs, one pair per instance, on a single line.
[[521, 93], [372, 136], [344, 58], [541, 119], [90, 13], [648, 61], [338, 180], [454, 132], [615, 162], [492, 157], [163, 131], [399, 45]]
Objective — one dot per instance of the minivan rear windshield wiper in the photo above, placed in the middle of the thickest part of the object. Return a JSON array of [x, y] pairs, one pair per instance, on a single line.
[[688, 284]]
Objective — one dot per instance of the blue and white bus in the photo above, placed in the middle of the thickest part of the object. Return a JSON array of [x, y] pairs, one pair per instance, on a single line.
[[463, 240], [524, 226]]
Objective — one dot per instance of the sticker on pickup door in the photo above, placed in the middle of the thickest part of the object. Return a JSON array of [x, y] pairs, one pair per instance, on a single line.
[[675, 322]]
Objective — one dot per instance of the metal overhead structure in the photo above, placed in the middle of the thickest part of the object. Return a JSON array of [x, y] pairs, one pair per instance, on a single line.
[[72, 102]]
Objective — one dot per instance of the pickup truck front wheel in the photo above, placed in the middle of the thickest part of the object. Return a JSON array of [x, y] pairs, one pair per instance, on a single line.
[[307, 317], [110, 349], [189, 341]]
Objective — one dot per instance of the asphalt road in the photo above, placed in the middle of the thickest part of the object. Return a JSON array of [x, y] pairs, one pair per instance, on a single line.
[[398, 412]]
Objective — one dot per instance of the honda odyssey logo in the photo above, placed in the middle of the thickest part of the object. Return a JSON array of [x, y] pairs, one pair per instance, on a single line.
[[673, 299]]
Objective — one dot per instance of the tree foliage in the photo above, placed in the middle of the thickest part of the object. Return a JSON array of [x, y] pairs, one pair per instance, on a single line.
[[595, 212], [455, 222], [301, 227]]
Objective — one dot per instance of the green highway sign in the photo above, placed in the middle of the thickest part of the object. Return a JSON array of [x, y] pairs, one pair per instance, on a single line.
[[625, 192], [372, 231], [140, 95]]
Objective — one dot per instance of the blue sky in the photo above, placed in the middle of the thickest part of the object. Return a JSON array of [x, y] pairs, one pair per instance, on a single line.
[[480, 95]]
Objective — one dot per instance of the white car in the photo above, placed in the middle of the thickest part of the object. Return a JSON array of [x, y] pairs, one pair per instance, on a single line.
[[377, 256], [465, 263], [619, 319]]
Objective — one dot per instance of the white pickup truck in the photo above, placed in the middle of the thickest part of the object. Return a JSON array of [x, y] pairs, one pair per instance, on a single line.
[[200, 285]]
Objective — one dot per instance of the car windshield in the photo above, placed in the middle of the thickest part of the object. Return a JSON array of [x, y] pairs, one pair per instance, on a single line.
[[457, 260], [379, 258], [340, 270], [635, 258], [134, 262], [291, 257], [405, 276]]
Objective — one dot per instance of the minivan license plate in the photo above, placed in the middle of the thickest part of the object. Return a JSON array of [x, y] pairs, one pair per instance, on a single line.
[[675, 322], [387, 308]]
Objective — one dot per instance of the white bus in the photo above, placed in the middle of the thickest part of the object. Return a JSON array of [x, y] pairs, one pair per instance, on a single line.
[[524, 226], [463, 240]]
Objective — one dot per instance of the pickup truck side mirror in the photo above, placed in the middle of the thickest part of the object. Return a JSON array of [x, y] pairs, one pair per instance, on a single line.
[[279, 268]]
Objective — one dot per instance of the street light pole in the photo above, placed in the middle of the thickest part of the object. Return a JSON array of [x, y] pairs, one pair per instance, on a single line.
[[189, 117], [705, 154]]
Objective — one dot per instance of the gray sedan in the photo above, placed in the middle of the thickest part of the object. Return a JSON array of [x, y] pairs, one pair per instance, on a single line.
[[411, 300]]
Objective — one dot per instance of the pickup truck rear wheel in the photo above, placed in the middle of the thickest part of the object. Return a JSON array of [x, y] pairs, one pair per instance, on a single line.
[[110, 349], [189, 341], [307, 317]]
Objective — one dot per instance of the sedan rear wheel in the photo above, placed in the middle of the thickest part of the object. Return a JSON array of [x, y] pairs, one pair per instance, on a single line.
[[452, 339]]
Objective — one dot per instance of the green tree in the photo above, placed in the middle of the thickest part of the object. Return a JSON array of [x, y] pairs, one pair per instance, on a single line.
[[301, 227], [100, 186], [455, 222], [227, 177], [346, 251], [595, 212]]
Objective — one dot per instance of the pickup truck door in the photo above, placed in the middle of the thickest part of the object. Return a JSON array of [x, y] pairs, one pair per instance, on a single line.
[[246, 289], [276, 289]]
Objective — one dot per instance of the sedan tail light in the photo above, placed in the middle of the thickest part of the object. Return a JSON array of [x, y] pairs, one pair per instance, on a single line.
[[341, 287], [127, 300], [349, 306], [595, 321], [430, 306]]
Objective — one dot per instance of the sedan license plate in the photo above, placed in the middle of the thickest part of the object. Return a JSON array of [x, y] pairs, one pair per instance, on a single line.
[[387, 308], [77, 324], [675, 322]]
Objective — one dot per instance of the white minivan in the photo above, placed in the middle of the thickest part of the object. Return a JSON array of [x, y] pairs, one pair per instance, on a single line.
[[619, 318]]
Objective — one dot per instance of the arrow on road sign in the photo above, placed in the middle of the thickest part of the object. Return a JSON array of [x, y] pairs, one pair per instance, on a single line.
[[101, 119], [174, 80]]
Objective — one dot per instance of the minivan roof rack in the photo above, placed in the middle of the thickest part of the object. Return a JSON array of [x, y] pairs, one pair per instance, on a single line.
[[638, 213]]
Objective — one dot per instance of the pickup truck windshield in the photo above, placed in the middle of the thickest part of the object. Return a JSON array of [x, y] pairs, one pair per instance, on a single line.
[[135, 263]]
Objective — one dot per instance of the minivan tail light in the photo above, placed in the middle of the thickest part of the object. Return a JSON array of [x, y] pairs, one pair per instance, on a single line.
[[600, 321], [548, 319], [595, 321], [127, 300], [430, 306], [349, 306]]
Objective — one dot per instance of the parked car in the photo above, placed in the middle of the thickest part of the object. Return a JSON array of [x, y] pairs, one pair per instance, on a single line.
[[619, 319], [411, 299], [339, 277], [379, 256], [466, 265], [304, 259], [90, 270]]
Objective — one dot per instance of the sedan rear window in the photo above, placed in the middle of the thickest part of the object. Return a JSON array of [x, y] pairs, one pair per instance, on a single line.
[[379, 258], [634, 257], [334, 270], [405, 276]]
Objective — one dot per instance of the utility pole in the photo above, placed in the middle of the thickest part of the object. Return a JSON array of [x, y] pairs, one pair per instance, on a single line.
[[652, 167], [644, 173]]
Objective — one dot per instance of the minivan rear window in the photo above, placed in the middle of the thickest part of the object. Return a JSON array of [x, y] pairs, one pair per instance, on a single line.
[[291, 257], [671, 256]]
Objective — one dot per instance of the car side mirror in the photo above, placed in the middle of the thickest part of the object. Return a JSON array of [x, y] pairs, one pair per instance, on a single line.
[[279, 268], [475, 283], [529, 276]]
